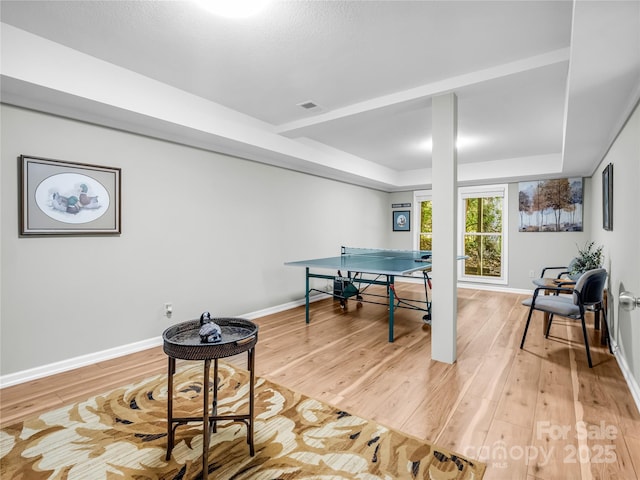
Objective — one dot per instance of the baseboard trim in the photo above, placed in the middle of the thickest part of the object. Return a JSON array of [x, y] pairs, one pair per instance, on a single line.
[[284, 306], [84, 360], [472, 286], [91, 358], [495, 288], [632, 383], [77, 362]]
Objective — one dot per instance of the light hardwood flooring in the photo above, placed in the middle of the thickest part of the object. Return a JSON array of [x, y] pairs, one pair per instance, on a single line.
[[537, 413]]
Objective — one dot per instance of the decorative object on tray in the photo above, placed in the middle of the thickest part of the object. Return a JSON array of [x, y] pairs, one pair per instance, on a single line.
[[205, 317], [210, 332]]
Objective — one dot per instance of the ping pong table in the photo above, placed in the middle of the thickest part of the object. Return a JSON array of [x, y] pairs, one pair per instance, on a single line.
[[366, 266]]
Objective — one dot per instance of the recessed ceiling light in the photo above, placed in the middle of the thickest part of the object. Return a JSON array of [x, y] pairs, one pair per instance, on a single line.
[[233, 8], [462, 143], [425, 145]]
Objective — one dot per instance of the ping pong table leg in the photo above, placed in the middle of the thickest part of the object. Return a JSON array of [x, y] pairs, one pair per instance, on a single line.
[[306, 295], [391, 289], [427, 281]]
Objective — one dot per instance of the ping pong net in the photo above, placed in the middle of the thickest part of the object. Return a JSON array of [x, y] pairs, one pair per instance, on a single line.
[[355, 284], [380, 252]]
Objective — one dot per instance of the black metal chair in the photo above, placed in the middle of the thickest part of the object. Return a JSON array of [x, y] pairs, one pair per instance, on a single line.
[[587, 294], [558, 279]]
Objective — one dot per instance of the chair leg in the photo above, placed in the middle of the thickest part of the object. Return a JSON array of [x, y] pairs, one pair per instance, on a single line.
[[546, 334], [586, 340], [526, 327], [606, 327]]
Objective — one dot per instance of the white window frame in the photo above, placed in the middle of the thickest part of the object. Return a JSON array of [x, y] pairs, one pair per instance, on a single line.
[[470, 192], [419, 196], [477, 192]]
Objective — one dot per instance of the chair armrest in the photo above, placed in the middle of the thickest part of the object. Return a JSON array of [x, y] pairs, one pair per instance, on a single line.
[[558, 289], [552, 268]]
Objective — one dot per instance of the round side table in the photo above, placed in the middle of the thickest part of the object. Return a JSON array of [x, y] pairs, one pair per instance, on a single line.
[[183, 341]]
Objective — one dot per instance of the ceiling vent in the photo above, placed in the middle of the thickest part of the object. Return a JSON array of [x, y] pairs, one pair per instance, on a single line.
[[308, 105]]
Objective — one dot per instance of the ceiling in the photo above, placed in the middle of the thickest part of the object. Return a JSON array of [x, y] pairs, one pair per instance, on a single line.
[[542, 87]]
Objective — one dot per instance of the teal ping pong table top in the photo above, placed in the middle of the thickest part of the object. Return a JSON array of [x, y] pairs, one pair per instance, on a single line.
[[374, 261]]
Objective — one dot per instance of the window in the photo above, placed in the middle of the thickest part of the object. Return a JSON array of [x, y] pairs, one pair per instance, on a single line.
[[422, 201], [482, 220], [483, 217]]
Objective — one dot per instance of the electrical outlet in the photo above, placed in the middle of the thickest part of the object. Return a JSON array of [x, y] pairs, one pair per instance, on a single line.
[[531, 274], [168, 310]]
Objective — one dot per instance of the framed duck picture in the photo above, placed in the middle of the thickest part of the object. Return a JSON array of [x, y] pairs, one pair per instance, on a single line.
[[65, 198]]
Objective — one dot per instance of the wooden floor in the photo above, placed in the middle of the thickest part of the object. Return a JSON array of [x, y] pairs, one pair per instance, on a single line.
[[537, 413]]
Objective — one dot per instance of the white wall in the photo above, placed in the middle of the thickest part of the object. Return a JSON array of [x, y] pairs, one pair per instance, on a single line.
[[201, 230], [621, 245]]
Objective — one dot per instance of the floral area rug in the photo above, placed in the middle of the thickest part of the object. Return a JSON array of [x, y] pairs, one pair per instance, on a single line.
[[122, 434]]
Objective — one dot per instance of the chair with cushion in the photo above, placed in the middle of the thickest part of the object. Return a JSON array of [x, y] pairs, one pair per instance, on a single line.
[[587, 294]]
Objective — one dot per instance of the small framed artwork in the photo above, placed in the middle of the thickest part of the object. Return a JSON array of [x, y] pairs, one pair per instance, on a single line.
[[402, 221], [65, 198], [607, 197]]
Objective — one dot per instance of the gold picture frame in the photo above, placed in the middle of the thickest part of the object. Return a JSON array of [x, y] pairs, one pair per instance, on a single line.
[[65, 198]]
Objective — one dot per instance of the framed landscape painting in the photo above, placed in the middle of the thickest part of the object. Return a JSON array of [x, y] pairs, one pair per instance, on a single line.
[[551, 205], [65, 198]]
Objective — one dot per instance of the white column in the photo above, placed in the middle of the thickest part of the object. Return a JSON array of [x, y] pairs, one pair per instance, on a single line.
[[444, 310]]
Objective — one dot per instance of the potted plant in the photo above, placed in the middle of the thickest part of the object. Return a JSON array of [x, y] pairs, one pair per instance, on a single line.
[[588, 258]]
